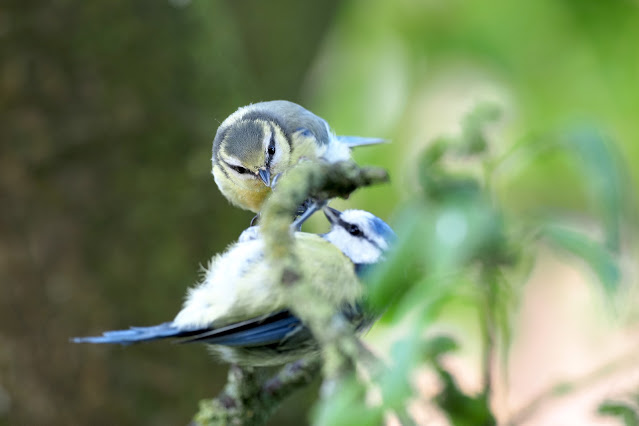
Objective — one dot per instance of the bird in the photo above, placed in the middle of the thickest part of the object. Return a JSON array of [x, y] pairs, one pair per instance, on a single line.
[[259, 142], [240, 311]]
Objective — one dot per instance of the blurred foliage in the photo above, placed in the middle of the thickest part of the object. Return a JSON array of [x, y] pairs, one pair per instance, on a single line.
[[627, 411], [456, 241], [109, 108]]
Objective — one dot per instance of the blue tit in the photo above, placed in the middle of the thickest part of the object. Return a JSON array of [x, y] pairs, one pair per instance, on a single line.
[[260, 141], [240, 311]]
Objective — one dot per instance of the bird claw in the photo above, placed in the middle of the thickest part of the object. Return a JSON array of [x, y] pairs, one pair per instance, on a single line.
[[313, 207], [275, 179]]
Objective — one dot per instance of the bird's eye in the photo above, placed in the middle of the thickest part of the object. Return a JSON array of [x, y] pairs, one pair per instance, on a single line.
[[271, 146], [241, 170], [354, 230]]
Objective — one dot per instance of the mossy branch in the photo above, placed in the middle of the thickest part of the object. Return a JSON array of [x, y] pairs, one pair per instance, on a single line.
[[248, 399], [320, 182]]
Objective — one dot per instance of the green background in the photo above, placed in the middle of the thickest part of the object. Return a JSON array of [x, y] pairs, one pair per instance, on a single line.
[[108, 110]]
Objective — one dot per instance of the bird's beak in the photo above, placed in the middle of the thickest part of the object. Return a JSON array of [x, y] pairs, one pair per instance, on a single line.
[[265, 175], [331, 214]]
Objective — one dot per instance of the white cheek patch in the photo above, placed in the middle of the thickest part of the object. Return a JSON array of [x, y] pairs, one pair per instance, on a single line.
[[278, 154], [359, 250]]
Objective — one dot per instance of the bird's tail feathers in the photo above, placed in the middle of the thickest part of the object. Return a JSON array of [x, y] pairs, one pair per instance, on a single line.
[[353, 141], [136, 334]]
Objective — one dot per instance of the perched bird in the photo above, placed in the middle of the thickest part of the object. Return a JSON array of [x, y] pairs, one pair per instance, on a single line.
[[260, 141], [240, 310]]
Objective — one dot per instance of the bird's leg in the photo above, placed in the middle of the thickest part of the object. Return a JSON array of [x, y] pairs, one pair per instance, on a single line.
[[310, 210], [305, 211]]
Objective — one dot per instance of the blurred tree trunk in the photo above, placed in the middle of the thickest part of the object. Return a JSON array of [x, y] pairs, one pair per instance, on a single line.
[[108, 206]]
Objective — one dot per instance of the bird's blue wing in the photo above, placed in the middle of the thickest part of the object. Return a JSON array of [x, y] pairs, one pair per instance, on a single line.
[[255, 332], [262, 331], [281, 328], [138, 334], [352, 141]]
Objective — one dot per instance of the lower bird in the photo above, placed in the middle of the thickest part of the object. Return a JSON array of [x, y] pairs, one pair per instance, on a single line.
[[240, 311]]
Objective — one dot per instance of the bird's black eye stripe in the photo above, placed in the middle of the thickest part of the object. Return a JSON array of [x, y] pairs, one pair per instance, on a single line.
[[354, 230], [351, 228], [241, 170]]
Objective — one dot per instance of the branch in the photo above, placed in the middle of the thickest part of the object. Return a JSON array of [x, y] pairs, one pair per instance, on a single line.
[[247, 400], [320, 181]]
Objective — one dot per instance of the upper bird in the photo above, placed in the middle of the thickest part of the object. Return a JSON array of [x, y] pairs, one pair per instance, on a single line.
[[259, 141], [240, 311]]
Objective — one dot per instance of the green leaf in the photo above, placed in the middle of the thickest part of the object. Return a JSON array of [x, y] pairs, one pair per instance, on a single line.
[[473, 141], [461, 409], [437, 346], [347, 406], [439, 184], [394, 277], [595, 254], [602, 170], [624, 411], [395, 382]]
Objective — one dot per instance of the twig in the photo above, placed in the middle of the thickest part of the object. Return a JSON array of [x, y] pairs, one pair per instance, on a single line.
[[320, 181], [487, 320], [374, 368]]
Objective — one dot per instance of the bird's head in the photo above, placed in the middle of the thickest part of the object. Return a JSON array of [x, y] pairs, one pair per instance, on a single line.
[[253, 150], [360, 235]]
